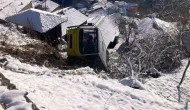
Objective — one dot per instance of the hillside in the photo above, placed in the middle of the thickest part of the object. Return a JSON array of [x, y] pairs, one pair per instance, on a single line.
[[145, 59]]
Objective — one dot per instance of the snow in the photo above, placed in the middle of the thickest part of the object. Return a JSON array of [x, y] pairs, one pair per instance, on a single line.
[[14, 37], [97, 6], [39, 20], [167, 86], [83, 89], [16, 66], [170, 28], [11, 7], [97, 13], [108, 7], [15, 100], [146, 28], [102, 1], [59, 89], [49, 5], [132, 82]]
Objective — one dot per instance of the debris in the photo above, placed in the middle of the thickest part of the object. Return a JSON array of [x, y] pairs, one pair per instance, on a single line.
[[48, 5], [74, 18]]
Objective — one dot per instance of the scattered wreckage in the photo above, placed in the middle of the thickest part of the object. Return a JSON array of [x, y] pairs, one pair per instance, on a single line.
[[86, 34], [75, 29]]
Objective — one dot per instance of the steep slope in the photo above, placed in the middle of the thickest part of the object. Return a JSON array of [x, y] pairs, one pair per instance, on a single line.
[[53, 89]]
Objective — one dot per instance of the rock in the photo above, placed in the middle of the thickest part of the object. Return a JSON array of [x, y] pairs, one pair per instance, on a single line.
[[11, 87], [3, 62], [154, 73]]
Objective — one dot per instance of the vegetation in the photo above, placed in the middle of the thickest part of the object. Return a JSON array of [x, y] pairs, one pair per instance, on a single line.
[[161, 53]]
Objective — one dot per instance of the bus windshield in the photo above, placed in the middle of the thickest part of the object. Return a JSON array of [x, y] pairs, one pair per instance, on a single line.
[[88, 41]]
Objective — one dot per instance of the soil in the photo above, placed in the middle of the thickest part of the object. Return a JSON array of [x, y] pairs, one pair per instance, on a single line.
[[43, 54]]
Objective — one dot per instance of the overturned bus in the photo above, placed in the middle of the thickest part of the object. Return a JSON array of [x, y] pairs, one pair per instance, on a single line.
[[92, 38]]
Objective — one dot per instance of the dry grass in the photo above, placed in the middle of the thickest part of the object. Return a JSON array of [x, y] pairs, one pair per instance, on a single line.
[[43, 54], [40, 54]]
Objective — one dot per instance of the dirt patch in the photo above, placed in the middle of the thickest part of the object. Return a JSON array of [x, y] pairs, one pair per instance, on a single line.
[[43, 54], [6, 82], [40, 54]]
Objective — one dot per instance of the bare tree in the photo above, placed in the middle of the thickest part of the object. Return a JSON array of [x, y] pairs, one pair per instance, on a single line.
[[152, 53], [169, 10]]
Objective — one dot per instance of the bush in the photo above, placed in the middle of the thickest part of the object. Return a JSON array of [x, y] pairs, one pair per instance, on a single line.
[[163, 53]]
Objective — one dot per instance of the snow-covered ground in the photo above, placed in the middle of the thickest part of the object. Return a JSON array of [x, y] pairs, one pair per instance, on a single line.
[[12, 36], [166, 86], [14, 99], [53, 89], [83, 89]]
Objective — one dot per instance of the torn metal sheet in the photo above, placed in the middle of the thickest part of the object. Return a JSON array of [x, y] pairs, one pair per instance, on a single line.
[[107, 27], [74, 17]]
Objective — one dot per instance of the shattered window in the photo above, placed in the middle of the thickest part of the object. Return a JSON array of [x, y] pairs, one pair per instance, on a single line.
[[70, 41]]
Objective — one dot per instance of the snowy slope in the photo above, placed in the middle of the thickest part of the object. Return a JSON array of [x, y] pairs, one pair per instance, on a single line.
[[14, 37], [14, 99], [54, 89], [11, 7], [83, 89], [166, 86]]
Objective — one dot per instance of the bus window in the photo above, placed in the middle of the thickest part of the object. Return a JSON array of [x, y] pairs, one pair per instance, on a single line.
[[70, 41], [90, 41], [81, 41]]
